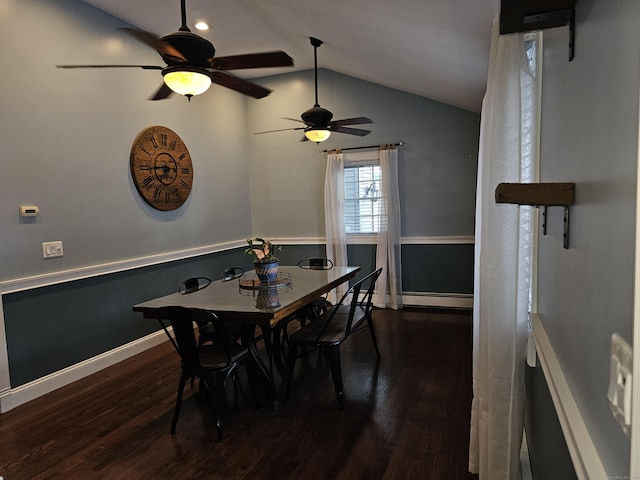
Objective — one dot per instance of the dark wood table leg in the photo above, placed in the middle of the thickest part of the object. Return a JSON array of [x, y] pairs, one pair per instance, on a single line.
[[265, 372]]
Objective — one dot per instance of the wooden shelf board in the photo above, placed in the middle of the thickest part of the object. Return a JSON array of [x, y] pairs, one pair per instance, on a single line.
[[537, 194]]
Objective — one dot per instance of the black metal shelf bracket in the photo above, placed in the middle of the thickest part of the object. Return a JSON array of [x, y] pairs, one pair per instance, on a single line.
[[572, 33], [565, 235], [566, 227], [557, 18]]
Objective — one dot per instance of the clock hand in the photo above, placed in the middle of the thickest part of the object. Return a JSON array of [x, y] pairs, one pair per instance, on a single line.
[[164, 168]]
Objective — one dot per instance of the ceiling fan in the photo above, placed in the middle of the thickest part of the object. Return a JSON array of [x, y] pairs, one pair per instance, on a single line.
[[191, 65], [317, 120]]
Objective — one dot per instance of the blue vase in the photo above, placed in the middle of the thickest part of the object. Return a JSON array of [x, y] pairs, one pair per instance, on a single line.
[[266, 272], [267, 298]]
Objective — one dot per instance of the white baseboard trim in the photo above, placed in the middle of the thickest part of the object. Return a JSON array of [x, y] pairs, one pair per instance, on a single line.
[[437, 300], [14, 397], [584, 455]]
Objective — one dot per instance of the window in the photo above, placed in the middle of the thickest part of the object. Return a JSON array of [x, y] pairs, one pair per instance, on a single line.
[[364, 205], [530, 147]]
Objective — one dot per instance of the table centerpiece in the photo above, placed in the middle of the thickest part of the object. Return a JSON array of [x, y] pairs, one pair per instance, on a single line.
[[265, 260]]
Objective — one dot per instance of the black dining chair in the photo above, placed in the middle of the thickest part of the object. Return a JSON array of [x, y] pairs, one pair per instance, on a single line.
[[193, 284], [309, 312], [231, 273], [316, 263], [319, 305], [206, 331], [332, 328], [211, 363]]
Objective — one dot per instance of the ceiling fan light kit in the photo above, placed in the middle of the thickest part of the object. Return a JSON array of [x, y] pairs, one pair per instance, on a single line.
[[317, 135], [187, 81]]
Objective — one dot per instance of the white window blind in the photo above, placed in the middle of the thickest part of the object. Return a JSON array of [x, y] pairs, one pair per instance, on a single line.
[[364, 204]]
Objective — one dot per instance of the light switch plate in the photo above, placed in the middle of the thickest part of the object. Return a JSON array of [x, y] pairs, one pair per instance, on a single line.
[[620, 382], [52, 249]]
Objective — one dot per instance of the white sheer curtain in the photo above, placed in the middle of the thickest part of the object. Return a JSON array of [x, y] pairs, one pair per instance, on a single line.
[[502, 262], [388, 250], [334, 216]]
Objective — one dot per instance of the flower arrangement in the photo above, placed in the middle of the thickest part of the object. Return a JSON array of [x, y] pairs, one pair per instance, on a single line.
[[262, 250]]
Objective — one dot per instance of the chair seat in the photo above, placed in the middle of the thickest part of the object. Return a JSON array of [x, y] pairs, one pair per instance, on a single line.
[[312, 335], [214, 357]]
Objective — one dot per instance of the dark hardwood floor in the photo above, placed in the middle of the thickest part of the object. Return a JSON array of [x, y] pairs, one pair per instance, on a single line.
[[405, 417]]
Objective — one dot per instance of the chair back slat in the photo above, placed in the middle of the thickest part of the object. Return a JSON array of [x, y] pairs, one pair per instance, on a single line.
[[193, 284], [182, 324], [231, 273], [366, 302], [316, 263]]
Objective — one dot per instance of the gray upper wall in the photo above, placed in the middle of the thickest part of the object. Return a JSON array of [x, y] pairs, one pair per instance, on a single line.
[[437, 167], [67, 136], [590, 136]]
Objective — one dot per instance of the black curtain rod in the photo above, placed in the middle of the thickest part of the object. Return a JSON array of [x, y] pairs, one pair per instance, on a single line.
[[399, 144]]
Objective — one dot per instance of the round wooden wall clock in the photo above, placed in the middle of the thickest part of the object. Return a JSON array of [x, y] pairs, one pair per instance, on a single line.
[[161, 168]]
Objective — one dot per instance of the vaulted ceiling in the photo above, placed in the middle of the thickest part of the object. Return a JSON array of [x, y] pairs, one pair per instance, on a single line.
[[437, 49]]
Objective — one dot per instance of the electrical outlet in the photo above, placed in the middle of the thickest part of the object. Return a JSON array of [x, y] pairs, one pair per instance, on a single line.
[[620, 382], [52, 249]]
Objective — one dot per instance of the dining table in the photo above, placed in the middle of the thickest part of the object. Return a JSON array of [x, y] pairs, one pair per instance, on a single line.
[[249, 302]]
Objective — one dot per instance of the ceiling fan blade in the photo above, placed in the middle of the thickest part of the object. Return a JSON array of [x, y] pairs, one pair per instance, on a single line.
[[239, 84], [252, 60], [281, 130], [145, 67], [351, 121], [163, 92], [351, 131], [163, 48], [293, 119]]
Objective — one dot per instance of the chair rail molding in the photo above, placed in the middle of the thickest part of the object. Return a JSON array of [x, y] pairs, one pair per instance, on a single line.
[[46, 279], [80, 273], [585, 457], [371, 239]]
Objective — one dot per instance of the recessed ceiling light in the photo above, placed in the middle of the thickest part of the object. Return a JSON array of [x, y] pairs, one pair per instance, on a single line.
[[202, 26]]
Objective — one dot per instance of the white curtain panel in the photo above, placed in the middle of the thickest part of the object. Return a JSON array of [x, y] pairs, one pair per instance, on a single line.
[[502, 263], [388, 250], [334, 217]]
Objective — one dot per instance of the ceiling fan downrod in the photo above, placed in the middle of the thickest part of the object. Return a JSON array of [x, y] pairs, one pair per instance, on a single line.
[[315, 43], [183, 13]]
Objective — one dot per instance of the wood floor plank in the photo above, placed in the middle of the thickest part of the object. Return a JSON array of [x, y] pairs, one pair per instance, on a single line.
[[406, 416]]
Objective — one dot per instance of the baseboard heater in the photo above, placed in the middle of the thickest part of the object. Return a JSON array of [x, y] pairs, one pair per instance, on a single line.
[[436, 299]]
